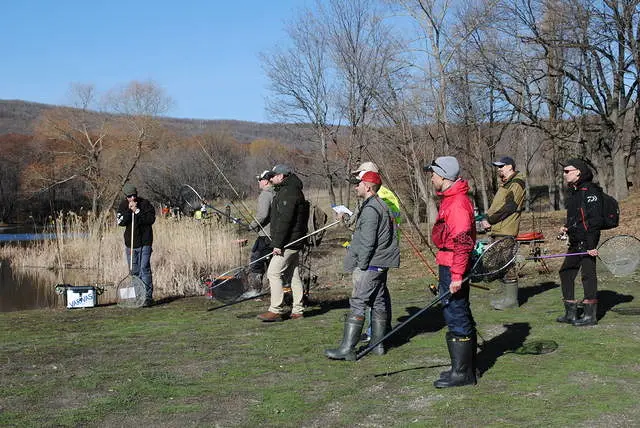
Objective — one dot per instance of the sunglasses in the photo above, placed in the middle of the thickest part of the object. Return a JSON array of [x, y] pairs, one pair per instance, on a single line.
[[132, 195], [429, 168], [567, 171]]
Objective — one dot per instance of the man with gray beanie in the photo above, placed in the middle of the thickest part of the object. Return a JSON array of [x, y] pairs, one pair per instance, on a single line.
[[138, 213], [288, 221], [454, 234]]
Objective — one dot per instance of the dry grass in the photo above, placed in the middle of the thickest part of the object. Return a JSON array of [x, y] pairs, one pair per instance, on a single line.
[[184, 251]]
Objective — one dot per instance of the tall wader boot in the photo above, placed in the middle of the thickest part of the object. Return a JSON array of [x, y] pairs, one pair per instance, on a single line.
[[590, 316], [347, 350], [510, 297], [570, 312], [462, 353], [379, 325], [474, 338]]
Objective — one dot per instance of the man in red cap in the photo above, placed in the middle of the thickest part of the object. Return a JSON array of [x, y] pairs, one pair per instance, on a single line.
[[373, 250]]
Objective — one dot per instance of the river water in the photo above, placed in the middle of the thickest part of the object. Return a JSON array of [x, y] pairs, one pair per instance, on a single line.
[[34, 290]]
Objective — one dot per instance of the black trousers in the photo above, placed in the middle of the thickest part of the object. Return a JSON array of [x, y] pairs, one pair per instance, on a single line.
[[569, 271], [260, 248]]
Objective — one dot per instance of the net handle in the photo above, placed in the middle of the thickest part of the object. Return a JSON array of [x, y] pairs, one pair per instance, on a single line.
[[583, 253], [133, 215], [438, 299]]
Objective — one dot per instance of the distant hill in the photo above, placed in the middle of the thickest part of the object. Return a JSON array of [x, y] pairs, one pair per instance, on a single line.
[[18, 117]]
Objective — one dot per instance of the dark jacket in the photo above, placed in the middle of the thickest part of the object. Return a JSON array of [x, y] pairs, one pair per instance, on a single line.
[[289, 214], [584, 213], [142, 231], [374, 241]]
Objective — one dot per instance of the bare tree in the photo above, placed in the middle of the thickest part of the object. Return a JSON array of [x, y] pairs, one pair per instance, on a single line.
[[301, 86], [101, 150]]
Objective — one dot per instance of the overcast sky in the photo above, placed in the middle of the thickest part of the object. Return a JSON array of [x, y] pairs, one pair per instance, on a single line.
[[204, 54]]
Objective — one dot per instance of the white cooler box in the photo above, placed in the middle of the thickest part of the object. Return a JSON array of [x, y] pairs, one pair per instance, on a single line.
[[81, 297]]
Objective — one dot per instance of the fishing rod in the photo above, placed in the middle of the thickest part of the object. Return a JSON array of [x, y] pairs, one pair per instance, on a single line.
[[205, 203], [266, 256], [232, 188]]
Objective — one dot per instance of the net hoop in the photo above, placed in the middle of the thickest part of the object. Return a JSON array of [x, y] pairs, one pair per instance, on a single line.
[[131, 292]]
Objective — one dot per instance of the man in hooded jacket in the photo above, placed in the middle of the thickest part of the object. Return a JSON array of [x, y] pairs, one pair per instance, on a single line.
[[289, 216], [584, 219]]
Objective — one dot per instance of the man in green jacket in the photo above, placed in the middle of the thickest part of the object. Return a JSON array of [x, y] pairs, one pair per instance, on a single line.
[[503, 219]]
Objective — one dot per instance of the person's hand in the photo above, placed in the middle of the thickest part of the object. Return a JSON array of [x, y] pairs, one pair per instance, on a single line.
[[133, 205], [277, 251], [455, 286], [563, 229], [593, 253], [485, 224]]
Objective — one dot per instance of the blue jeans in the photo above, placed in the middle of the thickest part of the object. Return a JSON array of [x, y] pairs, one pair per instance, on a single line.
[[456, 308], [142, 266]]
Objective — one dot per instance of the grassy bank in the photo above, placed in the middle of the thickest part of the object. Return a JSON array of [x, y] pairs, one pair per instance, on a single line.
[[189, 363]]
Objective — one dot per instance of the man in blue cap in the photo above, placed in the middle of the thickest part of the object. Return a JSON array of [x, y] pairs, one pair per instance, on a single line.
[[503, 219]]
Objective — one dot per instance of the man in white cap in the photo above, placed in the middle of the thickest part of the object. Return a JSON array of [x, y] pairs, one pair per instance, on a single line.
[[260, 224], [454, 234], [503, 219]]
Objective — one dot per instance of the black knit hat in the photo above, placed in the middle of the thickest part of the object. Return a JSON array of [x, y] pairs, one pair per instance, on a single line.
[[585, 171]]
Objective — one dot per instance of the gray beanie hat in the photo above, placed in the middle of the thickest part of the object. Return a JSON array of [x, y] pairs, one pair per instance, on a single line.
[[445, 166], [129, 189]]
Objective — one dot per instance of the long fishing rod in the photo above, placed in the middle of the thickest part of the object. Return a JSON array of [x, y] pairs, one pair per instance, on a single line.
[[266, 256], [232, 188], [205, 203]]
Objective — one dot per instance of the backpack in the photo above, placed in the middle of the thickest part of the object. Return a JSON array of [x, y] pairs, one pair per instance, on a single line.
[[610, 212], [317, 220]]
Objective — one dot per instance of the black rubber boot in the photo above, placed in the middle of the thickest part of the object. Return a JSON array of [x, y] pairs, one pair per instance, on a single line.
[[461, 351], [474, 338], [378, 330], [445, 374], [347, 350], [570, 312], [590, 316]]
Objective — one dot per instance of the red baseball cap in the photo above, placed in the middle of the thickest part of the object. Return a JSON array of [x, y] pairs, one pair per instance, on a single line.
[[371, 177]]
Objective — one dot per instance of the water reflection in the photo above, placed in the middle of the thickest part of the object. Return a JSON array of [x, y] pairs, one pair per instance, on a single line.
[[31, 290]]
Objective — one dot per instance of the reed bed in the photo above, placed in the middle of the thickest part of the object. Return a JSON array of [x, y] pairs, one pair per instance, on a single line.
[[85, 253]]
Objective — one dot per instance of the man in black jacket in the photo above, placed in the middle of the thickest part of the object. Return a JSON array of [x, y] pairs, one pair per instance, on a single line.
[[289, 216], [139, 213], [584, 219]]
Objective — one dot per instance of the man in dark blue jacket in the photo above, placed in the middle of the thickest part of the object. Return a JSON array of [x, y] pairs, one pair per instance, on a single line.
[[289, 216], [584, 219]]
